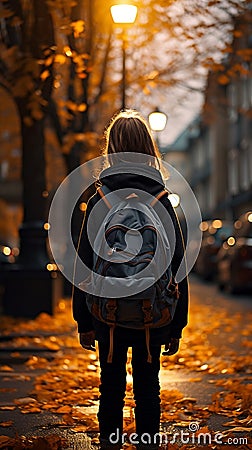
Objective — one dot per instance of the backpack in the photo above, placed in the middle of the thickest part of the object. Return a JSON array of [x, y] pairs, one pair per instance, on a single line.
[[132, 283]]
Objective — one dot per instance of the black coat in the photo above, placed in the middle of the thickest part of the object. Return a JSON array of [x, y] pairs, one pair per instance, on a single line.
[[150, 181]]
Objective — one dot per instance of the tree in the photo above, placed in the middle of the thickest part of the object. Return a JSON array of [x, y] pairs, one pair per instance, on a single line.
[[59, 59], [26, 69], [170, 50], [27, 49]]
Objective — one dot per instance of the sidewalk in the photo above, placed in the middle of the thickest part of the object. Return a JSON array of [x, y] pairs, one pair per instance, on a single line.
[[49, 384]]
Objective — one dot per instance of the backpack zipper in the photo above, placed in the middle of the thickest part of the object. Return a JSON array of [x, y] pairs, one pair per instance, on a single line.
[[105, 268], [124, 228]]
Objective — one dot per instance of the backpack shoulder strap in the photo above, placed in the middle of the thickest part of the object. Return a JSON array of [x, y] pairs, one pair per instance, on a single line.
[[158, 196], [103, 191]]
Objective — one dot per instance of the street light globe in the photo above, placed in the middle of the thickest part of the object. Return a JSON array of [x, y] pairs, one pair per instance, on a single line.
[[174, 199], [123, 13], [157, 120]]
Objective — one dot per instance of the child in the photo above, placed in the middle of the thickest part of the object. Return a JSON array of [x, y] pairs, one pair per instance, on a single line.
[[128, 132]]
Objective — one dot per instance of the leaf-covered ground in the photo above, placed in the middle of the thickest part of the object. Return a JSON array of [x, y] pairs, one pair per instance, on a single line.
[[216, 349]]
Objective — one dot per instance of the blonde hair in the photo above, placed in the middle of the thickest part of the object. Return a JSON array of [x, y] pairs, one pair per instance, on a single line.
[[129, 132]]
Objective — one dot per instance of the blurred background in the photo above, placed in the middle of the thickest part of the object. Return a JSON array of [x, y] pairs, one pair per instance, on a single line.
[[67, 66]]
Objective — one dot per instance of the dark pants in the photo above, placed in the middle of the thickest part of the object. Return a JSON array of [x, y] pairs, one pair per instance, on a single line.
[[113, 385]]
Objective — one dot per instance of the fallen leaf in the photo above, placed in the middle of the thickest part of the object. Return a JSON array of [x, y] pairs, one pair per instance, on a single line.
[[79, 429], [6, 442], [237, 430], [6, 369], [31, 411], [24, 401], [64, 410], [7, 408], [9, 423], [187, 400]]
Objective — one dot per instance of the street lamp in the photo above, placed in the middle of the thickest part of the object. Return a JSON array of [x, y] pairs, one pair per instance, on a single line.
[[174, 199], [123, 14], [157, 121]]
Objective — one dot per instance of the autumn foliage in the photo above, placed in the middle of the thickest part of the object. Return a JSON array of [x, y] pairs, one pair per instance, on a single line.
[[68, 383]]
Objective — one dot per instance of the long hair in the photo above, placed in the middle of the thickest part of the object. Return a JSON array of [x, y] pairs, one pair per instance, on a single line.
[[129, 132]]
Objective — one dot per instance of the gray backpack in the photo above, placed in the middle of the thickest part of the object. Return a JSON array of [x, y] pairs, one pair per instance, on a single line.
[[132, 283]]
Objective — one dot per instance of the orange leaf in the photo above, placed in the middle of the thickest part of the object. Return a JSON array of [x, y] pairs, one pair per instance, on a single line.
[[64, 410], [82, 107], [79, 429], [7, 408], [223, 79], [6, 424], [60, 59], [31, 411], [6, 369], [44, 75]]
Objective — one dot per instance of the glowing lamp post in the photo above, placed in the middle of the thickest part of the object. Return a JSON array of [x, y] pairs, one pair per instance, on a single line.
[[157, 121], [174, 199], [123, 14]]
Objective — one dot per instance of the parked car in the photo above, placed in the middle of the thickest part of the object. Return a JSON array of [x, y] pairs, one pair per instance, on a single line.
[[215, 232], [234, 259]]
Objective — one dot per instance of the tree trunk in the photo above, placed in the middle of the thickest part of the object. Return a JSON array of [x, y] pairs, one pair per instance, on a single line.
[[30, 288], [33, 170], [32, 233]]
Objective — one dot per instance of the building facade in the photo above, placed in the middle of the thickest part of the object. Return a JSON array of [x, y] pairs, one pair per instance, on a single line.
[[219, 155]]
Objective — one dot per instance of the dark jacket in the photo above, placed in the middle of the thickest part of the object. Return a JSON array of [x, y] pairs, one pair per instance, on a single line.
[[149, 180]]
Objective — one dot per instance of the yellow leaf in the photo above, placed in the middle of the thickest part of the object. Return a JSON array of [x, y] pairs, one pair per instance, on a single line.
[[152, 75], [223, 79], [7, 408], [79, 429], [82, 107], [44, 75], [31, 411], [64, 410], [51, 346], [60, 58], [146, 91], [24, 401], [49, 61], [237, 430], [6, 369], [6, 424], [152, 84], [78, 27]]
